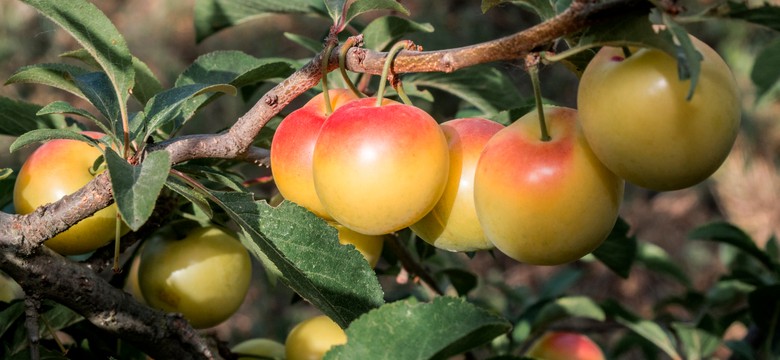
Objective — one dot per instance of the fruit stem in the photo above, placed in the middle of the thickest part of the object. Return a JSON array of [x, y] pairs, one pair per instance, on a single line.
[[399, 88], [348, 44], [532, 65], [53, 334], [386, 70], [325, 61]]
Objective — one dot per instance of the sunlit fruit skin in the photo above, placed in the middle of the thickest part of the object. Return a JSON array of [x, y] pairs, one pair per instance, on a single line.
[[452, 224], [267, 348], [292, 148], [545, 202], [379, 169], [204, 276], [312, 338], [58, 168], [565, 346], [636, 118], [370, 246]]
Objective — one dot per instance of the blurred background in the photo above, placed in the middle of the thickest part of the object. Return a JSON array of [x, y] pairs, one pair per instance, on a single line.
[[745, 191]]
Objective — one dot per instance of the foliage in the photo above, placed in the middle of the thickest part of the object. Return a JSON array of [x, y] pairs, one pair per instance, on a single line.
[[302, 250]]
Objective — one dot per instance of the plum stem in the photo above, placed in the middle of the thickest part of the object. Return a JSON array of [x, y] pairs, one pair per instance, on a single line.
[[386, 70], [325, 61], [532, 65], [349, 43]]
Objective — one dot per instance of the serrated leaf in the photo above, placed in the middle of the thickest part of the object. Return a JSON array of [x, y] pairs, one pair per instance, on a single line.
[[728, 292], [5, 173], [95, 32], [767, 14], [657, 259], [568, 307], [543, 8], [212, 16], [173, 105], [727, 233], [219, 176], [42, 135], [18, 117], [482, 86], [59, 76], [305, 249], [619, 250], [386, 30], [765, 73], [97, 88], [697, 344], [235, 68], [136, 188], [411, 330], [360, 7]]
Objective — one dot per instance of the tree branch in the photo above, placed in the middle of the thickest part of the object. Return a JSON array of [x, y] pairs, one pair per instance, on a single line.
[[40, 270]]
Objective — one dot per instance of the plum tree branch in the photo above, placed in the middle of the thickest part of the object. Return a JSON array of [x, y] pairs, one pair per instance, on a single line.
[[77, 286]]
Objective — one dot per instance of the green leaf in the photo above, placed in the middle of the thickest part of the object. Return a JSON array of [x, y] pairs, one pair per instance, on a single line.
[[308, 43], [697, 343], [543, 8], [483, 86], [657, 259], [619, 250], [18, 117], [9, 315], [212, 16], [136, 188], [728, 292], [688, 58], [7, 184], [59, 76], [305, 249], [741, 349], [216, 175], [645, 328], [61, 107], [190, 194], [146, 83], [359, 7], [335, 9], [411, 330], [5, 173], [568, 307], [42, 135], [765, 73], [95, 32], [235, 68], [767, 14], [386, 30], [98, 89], [729, 234], [560, 282], [173, 105]]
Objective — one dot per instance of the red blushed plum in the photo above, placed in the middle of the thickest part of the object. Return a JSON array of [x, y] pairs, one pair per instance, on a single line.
[[452, 224], [378, 169], [292, 148], [545, 202]]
